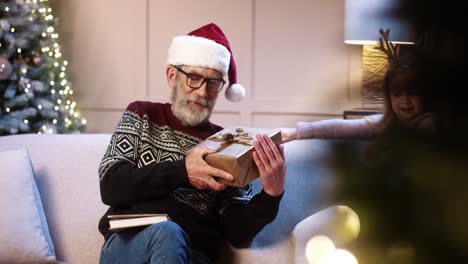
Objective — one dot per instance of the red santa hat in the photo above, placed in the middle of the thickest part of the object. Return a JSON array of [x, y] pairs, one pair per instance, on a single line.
[[208, 47]]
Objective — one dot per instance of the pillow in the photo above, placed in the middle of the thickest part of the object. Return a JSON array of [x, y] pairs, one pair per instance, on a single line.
[[24, 234]]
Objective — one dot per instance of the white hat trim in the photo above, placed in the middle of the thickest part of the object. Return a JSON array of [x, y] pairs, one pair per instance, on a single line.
[[199, 52]]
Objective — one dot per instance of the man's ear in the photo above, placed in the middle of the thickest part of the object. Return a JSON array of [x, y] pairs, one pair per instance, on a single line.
[[171, 73]]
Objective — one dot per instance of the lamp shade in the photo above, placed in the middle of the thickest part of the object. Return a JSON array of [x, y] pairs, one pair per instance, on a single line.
[[364, 18]]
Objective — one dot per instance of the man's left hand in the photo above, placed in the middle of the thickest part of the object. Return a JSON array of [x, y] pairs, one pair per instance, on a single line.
[[269, 159]]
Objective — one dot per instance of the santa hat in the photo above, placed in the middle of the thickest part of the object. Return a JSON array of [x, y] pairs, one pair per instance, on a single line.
[[208, 47]]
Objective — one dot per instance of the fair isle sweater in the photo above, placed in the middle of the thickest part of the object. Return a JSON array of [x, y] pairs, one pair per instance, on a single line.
[[143, 171]]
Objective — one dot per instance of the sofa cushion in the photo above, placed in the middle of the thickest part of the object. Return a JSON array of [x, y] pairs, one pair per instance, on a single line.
[[66, 172], [24, 233]]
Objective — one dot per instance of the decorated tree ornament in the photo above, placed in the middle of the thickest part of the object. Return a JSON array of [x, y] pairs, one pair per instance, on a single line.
[[5, 69], [38, 86], [33, 90], [47, 128], [5, 25], [235, 93], [37, 60]]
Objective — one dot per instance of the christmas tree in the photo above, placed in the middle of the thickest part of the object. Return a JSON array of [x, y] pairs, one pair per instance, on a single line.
[[35, 95]]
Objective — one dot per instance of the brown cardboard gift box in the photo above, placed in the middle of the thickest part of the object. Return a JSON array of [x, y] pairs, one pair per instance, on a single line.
[[234, 155]]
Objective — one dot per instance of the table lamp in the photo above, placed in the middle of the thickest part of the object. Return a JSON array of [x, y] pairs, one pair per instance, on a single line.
[[363, 19]]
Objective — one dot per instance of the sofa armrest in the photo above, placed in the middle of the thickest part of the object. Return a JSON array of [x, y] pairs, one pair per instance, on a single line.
[[339, 223]]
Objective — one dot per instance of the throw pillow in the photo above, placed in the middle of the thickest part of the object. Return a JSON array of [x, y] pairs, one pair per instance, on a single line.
[[24, 234]]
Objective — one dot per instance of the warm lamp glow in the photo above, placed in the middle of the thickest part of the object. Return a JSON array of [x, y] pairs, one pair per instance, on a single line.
[[318, 247], [350, 225], [363, 19], [321, 250], [339, 256]]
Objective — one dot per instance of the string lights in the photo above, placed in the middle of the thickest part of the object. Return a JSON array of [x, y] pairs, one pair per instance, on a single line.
[[37, 79]]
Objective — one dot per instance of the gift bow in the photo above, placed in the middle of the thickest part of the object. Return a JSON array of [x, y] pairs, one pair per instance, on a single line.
[[240, 137]]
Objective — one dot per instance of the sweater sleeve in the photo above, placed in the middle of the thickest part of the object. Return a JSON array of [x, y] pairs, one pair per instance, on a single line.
[[363, 128], [241, 222], [122, 182]]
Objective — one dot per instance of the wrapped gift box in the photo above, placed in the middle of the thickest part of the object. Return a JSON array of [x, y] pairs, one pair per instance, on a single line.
[[234, 155]]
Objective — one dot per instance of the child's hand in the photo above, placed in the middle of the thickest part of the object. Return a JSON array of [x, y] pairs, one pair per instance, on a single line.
[[288, 134]]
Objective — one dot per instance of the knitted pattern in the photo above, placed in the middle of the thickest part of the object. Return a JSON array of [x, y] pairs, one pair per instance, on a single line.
[[145, 139]]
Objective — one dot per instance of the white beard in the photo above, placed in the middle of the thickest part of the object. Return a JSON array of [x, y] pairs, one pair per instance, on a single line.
[[187, 116]]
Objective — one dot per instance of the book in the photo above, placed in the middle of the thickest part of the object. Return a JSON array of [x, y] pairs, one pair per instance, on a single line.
[[122, 221]]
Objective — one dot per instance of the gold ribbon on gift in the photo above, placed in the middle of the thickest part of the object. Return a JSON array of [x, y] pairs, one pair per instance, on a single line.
[[234, 147], [240, 137]]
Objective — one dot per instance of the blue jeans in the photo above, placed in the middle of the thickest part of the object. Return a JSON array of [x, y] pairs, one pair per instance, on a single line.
[[163, 243]]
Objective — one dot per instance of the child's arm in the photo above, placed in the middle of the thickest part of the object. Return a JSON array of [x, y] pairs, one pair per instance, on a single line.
[[363, 128]]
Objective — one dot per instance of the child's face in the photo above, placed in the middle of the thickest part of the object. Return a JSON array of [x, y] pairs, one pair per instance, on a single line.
[[406, 103]]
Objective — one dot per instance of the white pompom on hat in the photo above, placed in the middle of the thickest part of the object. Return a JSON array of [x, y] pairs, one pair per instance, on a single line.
[[208, 47]]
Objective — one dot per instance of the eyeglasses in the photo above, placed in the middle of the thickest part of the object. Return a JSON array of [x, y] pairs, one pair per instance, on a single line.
[[195, 81]]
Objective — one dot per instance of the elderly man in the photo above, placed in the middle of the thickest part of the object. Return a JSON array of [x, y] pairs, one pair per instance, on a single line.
[[146, 168]]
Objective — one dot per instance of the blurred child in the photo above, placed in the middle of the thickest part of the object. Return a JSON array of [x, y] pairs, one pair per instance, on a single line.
[[404, 107]]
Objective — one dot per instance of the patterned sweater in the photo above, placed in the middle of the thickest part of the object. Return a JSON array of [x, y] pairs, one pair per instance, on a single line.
[[143, 171]]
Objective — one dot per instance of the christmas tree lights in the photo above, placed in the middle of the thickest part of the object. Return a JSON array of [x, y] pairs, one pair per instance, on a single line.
[[35, 94]]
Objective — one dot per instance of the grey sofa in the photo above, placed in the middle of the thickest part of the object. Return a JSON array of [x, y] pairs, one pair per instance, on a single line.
[[65, 169]]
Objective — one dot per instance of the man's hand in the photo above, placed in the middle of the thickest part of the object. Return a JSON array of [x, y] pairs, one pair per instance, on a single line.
[[200, 174], [270, 162], [288, 134]]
